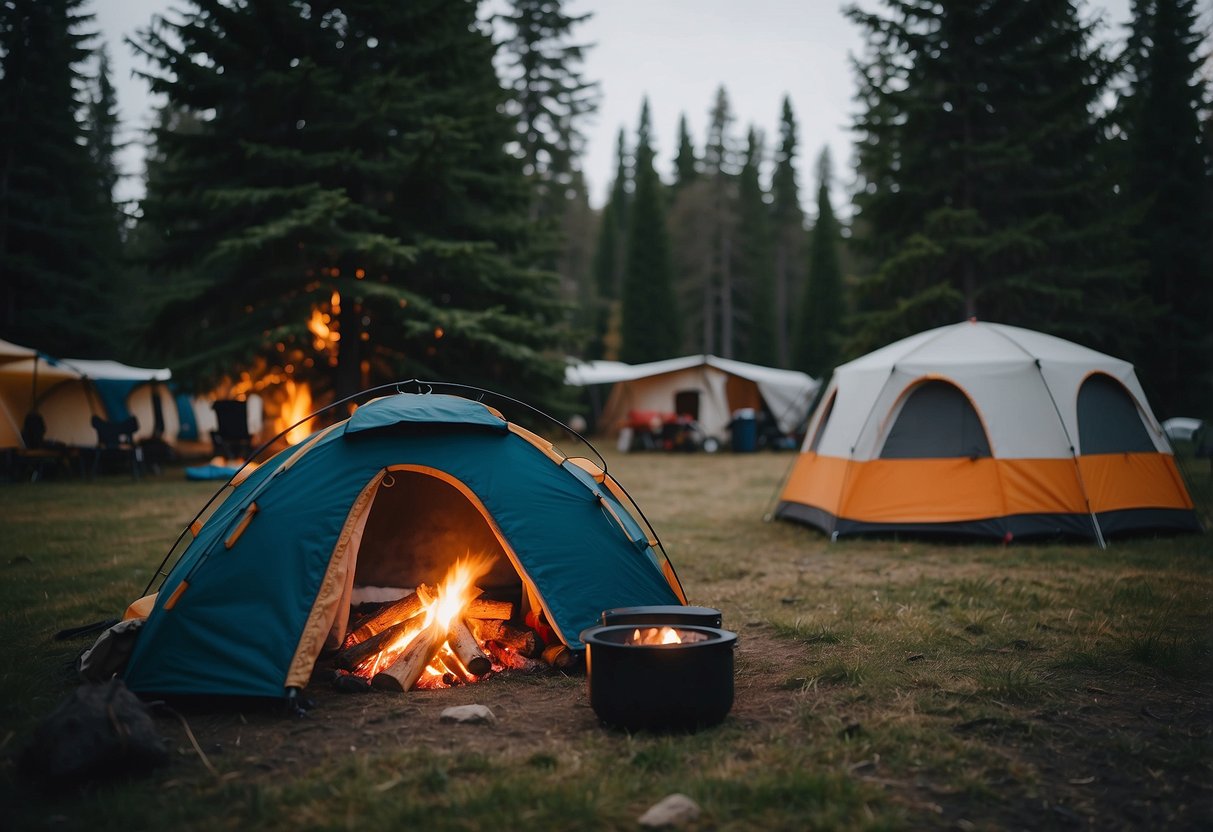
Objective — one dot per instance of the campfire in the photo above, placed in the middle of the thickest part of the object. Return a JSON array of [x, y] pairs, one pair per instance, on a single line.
[[439, 637]]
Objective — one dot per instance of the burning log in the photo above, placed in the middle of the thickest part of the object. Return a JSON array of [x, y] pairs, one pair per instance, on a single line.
[[401, 610], [519, 640], [454, 673], [351, 657], [484, 608], [403, 673], [511, 659], [464, 645]]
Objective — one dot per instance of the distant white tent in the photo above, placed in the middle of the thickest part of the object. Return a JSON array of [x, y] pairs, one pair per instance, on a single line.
[[67, 393], [705, 387], [26, 379], [125, 390]]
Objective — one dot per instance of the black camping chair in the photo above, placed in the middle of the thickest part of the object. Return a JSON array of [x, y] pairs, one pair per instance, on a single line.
[[39, 456], [116, 441], [231, 437]]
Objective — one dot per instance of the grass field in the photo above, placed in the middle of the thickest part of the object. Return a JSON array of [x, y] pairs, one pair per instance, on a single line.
[[881, 684]]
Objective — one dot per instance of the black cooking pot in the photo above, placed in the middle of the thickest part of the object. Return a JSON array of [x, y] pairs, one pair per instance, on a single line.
[[656, 614], [659, 687]]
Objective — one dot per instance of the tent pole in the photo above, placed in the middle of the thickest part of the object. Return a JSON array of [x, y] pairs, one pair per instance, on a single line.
[[1082, 484]]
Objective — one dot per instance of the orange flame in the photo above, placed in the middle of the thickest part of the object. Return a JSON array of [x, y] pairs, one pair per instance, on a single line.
[[297, 405], [655, 635], [457, 590]]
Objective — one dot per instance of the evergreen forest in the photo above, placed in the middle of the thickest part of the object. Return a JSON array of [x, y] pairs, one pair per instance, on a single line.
[[350, 193]]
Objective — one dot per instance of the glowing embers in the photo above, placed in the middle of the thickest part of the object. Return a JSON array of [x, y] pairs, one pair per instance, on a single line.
[[437, 637]]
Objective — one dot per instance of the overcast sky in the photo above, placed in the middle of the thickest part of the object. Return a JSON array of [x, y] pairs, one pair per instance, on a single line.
[[676, 52]]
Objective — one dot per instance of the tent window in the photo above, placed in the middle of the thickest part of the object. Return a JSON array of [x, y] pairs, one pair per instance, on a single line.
[[1108, 420], [686, 403], [821, 425], [937, 420]]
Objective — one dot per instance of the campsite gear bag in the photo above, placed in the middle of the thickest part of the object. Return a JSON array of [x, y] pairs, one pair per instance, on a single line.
[[389, 497]]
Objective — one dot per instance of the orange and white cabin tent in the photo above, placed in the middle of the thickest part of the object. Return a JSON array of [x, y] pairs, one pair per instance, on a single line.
[[986, 430]]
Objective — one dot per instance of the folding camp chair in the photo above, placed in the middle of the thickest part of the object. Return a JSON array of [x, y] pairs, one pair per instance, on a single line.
[[116, 440], [232, 438], [40, 456]]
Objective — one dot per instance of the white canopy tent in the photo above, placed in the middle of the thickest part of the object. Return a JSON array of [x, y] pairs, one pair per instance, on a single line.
[[123, 387], [708, 388], [26, 379], [67, 393]]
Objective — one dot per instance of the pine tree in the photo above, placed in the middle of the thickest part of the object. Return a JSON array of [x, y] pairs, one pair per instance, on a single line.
[[102, 133], [1170, 181], [686, 164], [550, 98], [609, 254], [346, 210], [787, 229], [985, 188], [58, 228], [822, 308], [650, 321], [718, 234], [575, 266], [755, 273]]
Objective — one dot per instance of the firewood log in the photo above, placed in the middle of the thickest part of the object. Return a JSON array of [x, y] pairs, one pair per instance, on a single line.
[[510, 659], [450, 663], [484, 608], [403, 673], [560, 657], [401, 610], [351, 657], [464, 645], [520, 640]]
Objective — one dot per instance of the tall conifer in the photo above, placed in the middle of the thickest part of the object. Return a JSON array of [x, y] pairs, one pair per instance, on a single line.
[[59, 255], [346, 208], [755, 273], [609, 254], [718, 232], [822, 307], [1170, 181], [550, 97], [650, 321], [787, 231], [984, 189], [686, 163]]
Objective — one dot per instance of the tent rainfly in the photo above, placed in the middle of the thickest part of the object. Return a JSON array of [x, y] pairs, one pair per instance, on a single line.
[[987, 430], [389, 497], [707, 388]]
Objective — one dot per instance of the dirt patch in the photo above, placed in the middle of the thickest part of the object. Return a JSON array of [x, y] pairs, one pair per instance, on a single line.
[[1134, 755], [538, 712]]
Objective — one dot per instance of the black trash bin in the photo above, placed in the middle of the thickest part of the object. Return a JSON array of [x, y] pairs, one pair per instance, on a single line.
[[745, 431]]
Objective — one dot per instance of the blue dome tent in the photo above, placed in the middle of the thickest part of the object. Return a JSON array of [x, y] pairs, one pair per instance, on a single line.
[[389, 497]]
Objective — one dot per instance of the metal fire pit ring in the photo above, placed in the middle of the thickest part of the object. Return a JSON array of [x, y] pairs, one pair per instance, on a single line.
[[663, 614], [659, 687]]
